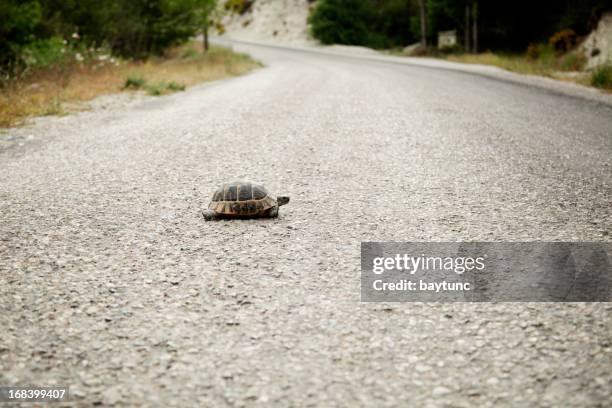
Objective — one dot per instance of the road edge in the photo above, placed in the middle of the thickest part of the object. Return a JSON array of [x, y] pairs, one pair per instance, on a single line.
[[488, 71]]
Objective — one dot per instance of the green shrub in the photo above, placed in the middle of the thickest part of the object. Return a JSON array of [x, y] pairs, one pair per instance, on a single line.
[[46, 53], [155, 89], [175, 86], [163, 88], [546, 55], [573, 61], [135, 29], [543, 53], [602, 77], [134, 82]]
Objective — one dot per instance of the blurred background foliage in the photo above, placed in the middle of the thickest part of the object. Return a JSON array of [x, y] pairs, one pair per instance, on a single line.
[[502, 24], [36, 34], [39, 32], [32, 30]]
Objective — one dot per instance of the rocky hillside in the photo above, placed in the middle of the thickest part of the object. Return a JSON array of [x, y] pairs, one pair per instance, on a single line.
[[282, 21], [598, 45]]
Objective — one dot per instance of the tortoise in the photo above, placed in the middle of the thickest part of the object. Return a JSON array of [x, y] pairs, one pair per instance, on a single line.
[[243, 199]]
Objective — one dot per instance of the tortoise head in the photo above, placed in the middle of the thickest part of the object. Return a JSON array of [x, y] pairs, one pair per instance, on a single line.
[[282, 200]]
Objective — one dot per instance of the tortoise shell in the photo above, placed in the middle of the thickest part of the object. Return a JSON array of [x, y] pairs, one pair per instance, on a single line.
[[241, 199]]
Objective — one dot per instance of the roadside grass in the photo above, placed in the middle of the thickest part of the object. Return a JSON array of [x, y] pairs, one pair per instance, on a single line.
[[539, 60], [163, 87], [602, 77], [137, 82], [568, 67], [61, 90], [134, 82], [512, 62], [515, 63]]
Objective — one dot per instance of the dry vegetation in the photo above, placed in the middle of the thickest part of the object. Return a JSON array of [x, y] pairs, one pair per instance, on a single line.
[[516, 63], [560, 58], [566, 69], [63, 89]]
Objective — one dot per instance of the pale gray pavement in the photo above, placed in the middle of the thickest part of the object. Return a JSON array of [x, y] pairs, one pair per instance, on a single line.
[[111, 282]]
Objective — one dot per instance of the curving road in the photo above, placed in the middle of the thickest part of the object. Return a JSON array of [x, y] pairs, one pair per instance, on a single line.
[[111, 282]]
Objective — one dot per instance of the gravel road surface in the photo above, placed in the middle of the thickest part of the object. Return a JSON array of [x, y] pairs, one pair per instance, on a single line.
[[112, 283]]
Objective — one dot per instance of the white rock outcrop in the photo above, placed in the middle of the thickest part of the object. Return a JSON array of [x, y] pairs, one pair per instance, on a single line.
[[279, 21], [598, 45]]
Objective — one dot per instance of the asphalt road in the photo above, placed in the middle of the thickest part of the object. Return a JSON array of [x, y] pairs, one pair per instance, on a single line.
[[112, 283]]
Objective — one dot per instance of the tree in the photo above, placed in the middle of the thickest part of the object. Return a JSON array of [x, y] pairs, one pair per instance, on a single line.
[[205, 10], [342, 21], [423, 17], [466, 32], [475, 26], [18, 23]]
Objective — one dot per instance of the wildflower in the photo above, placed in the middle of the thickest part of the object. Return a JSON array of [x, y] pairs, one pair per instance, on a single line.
[[78, 57], [75, 36]]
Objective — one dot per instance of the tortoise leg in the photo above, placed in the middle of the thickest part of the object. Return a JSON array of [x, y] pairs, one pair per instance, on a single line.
[[210, 215], [272, 212]]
